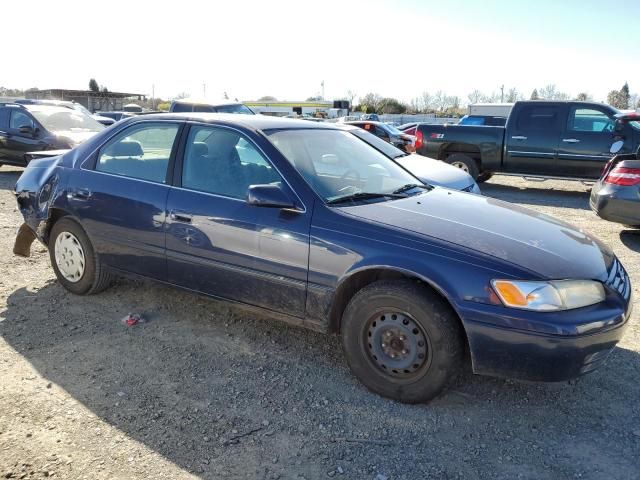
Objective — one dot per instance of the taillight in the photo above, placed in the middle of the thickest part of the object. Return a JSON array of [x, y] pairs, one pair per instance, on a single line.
[[624, 176], [419, 138]]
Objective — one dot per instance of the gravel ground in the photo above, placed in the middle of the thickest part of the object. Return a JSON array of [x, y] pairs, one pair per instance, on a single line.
[[206, 391]]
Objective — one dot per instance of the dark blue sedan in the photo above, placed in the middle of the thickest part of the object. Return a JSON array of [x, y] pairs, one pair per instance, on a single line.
[[310, 224]]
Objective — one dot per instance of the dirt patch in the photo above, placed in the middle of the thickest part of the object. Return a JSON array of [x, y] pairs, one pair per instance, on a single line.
[[205, 391]]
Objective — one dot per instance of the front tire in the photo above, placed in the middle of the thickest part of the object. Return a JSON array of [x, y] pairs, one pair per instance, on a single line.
[[465, 163], [402, 341], [75, 263]]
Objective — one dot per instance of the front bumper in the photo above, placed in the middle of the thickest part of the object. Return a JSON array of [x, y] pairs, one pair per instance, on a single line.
[[616, 204], [574, 343]]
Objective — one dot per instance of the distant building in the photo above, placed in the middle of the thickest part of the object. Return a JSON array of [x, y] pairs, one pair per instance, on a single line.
[[289, 108], [94, 101]]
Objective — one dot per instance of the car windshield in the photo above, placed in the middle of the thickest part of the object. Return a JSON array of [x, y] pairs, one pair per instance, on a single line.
[[60, 119], [337, 164], [377, 143], [239, 108]]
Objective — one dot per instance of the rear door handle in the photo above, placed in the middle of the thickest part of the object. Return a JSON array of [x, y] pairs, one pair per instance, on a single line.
[[180, 216], [518, 137], [570, 140]]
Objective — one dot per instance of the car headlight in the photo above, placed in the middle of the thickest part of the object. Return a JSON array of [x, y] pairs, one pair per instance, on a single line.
[[549, 296]]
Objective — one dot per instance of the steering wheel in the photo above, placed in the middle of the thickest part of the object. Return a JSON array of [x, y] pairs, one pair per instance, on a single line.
[[355, 172]]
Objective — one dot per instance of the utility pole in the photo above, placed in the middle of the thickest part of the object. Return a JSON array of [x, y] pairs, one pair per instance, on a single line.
[[322, 89], [204, 89], [502, 94], [153, 96]]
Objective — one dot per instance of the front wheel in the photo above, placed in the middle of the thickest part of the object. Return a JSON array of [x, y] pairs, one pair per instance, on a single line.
[[402, 340], [73, 259], [464, 163]]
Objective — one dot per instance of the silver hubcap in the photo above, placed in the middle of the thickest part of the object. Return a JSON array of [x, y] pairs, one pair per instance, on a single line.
[[69, 256], [461, 165]]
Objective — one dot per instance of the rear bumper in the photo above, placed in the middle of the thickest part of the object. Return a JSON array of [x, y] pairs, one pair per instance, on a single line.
[[538, 356], [616, 204]]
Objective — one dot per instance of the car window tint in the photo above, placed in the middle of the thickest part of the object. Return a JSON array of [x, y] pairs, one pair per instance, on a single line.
[[538, 118], [20, 119], [203, 108], [590, 120], [141, 151], [4, 117], [181, 107], [221, 161]]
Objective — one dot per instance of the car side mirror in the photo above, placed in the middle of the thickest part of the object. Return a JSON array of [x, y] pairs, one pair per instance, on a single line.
[[27, 130], [269, 195], [619, 126]]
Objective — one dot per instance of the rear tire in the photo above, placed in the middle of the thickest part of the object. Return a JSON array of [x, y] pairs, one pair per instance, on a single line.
[[464, 162], [402, 341], [75, 263]]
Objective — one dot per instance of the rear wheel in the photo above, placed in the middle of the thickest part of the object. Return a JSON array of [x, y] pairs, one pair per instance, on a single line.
[[464, 163], [402, 340], [76, 265]]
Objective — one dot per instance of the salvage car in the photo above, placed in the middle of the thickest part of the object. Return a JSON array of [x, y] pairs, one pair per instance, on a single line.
[[106, 121], [418, 280], [34, 128], [616, 196], [388, 133], [428, 170]]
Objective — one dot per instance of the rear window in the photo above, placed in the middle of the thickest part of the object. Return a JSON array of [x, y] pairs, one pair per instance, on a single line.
[[181, 107]]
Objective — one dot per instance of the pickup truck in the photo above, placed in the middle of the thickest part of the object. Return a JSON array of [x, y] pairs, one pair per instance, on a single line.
[[541, 139]]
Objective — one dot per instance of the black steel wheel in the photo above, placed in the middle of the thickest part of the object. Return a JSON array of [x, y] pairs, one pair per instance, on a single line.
[[402, 340]]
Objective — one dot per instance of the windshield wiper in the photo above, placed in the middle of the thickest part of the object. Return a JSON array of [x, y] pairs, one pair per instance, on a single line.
[[363, 196], [410, 186]]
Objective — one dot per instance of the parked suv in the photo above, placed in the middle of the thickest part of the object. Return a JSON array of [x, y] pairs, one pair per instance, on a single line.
[[30, 128], [198, 105]]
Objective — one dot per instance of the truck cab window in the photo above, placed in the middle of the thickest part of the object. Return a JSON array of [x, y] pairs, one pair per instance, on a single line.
[[541, 117]]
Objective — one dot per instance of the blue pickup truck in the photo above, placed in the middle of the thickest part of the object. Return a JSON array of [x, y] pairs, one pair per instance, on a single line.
[[543, 139]]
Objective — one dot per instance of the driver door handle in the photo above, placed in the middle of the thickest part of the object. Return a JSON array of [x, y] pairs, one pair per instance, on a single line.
[[570, 140], [179, 216]]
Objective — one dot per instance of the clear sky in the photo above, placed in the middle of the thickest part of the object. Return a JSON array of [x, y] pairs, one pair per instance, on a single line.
[[286, 48]]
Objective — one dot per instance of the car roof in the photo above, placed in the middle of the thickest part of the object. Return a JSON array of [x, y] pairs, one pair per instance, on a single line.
[[206, 101], [360, 122], [255, 122]]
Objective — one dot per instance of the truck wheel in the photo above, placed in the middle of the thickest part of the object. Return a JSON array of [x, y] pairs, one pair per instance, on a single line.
[[464, 162], [76, 265], [484, 176], [402, 341]]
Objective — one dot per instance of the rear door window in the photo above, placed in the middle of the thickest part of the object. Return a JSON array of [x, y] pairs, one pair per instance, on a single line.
[[539, 118], [4, 118], [141, 151]]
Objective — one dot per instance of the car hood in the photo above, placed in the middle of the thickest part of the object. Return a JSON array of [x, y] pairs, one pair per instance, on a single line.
[[436, 172], [75, 137], [536, 242]]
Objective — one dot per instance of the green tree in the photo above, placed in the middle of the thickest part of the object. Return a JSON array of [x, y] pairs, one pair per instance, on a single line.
[[268, 98], [583, 97], [93, 85], [393, 105], [613, 98], [625, 96], [534, 94]]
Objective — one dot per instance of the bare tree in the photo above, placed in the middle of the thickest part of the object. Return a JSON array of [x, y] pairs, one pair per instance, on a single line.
[[476, 96], [440, 100], [551, 92], [351, 96], [583, 97], [427, 101], [513, 95]]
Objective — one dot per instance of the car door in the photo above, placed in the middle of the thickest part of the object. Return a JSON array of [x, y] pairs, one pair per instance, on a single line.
[[584, 147], [220, 245], [532, 139], [120, 193], [4, 132], [15, 143]]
